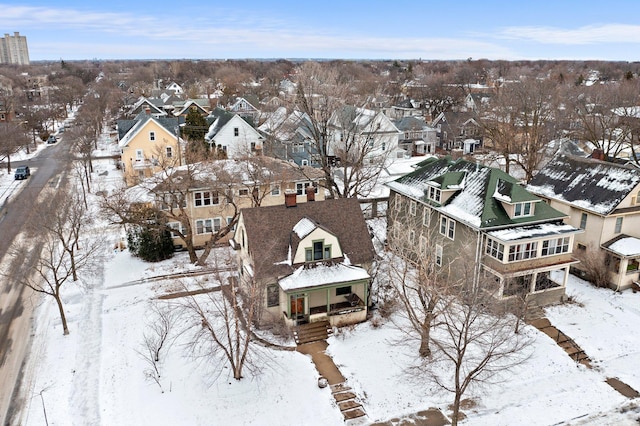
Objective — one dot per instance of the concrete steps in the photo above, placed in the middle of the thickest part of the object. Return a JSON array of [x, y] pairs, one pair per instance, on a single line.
[[312, 332], [347, 402]]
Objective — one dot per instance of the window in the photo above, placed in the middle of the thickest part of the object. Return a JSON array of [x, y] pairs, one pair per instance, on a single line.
[[398, 202], [583, 221], [438, 255], [318, 252], [413, 207], [236, 131], [205, 198], [412, 237], [152, 136], [170, 201], [424, 243], [523, 251], [175, 226], [434, 194], [139, 155], [426, 216], [447, 227], [383, 146], [229, 221], [169, 152], [243, 192], [217, 224], [555, 246], [340, 291], [495, 249], [618, 228], [633, 265], [273, 296], [275, 189], [523, 209], [253, 146], [301, 186], [204, 226]]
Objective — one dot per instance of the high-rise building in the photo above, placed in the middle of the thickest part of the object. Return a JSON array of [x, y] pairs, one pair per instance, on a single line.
[[13, 49]]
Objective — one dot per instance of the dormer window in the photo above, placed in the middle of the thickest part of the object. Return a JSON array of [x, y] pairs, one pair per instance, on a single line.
[[319, 251], [523, 209], [435, 194]]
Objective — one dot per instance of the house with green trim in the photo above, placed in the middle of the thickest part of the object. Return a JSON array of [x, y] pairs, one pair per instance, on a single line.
[[310, 261], [479, 219]]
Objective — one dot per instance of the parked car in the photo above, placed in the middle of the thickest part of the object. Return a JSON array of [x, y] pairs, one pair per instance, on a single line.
[[22, 172], [52, 139]]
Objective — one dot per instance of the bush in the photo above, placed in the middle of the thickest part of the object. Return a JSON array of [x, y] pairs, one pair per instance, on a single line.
[[151, 244]]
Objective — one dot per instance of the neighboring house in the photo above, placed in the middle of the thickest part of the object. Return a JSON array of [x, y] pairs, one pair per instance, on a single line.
[[151, 106], [476, 101], [312, 261], [404, 108], [183, 108], [288, 137], [458, 130], [175, 88], [232, 134], [213, 193], [363, 129], [478, 218], [147, 144], [603, 199], [246, 108], [417, 137]]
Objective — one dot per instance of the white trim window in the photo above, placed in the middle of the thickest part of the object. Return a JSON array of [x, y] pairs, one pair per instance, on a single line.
[[169, 151], [448, 227], [139, 155], [495, 249], [523, 209], [397, 202], [523, 251], [412, 237], [152, 136], [217, 224], [301, 187], [438, 255], [205, 198], [424, 243], [204, 226], [618, 227], [435, 194], [426, 216], [275, 189], [175, 226], [229, 221], [555, 246], [413, 207]]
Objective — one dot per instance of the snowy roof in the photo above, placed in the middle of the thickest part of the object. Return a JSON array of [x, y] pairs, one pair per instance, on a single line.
[[321, 275], [585, 183], [532, 231], [304, 227], [624, 246], [474, 201]]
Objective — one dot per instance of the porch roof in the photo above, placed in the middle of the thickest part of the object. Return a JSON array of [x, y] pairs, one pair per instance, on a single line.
[[624, 246], [532, 231], [322, 275]]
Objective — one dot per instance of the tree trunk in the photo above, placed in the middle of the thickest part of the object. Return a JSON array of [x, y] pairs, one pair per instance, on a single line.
[[63, 318], [425, 333], [455, 410]]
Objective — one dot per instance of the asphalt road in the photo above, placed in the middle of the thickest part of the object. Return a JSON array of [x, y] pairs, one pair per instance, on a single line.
[[17, 301]]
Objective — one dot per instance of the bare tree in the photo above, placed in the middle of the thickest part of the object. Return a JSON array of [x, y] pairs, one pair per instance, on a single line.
[[344, 138], [222, 323], [157, 340], [12, 138], [66, 247], [474, 344]]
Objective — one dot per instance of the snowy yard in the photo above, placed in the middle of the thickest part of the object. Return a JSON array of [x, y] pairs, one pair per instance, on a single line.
[[95, 375]]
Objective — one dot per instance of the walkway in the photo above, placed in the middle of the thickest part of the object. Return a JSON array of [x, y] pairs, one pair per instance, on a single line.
[[577, 354]]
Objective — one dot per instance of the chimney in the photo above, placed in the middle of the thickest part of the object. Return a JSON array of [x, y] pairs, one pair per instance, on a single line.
[[311, 193], [290, 198], [147, 110], [598, 154]]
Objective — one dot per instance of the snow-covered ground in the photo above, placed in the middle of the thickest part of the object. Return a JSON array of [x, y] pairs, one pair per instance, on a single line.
[[96, 376]]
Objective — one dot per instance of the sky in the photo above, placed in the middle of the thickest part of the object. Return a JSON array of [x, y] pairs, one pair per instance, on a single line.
[[331, 29]]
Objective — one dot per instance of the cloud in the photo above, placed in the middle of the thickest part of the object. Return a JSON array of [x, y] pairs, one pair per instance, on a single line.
[[590, 34]]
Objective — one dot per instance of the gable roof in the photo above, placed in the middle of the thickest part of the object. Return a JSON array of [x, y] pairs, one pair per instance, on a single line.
[[272, 239], [128, 129], [479, 193], [585, 183]]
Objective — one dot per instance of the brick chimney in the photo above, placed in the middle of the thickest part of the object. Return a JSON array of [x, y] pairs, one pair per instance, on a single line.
[[290, 198], [597, 154], [147, 110], [311, 193]]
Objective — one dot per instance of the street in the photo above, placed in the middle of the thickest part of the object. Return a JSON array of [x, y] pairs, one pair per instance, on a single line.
[[16, 302]]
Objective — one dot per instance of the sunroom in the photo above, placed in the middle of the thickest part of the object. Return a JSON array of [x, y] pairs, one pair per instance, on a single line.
[[623, 261]]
